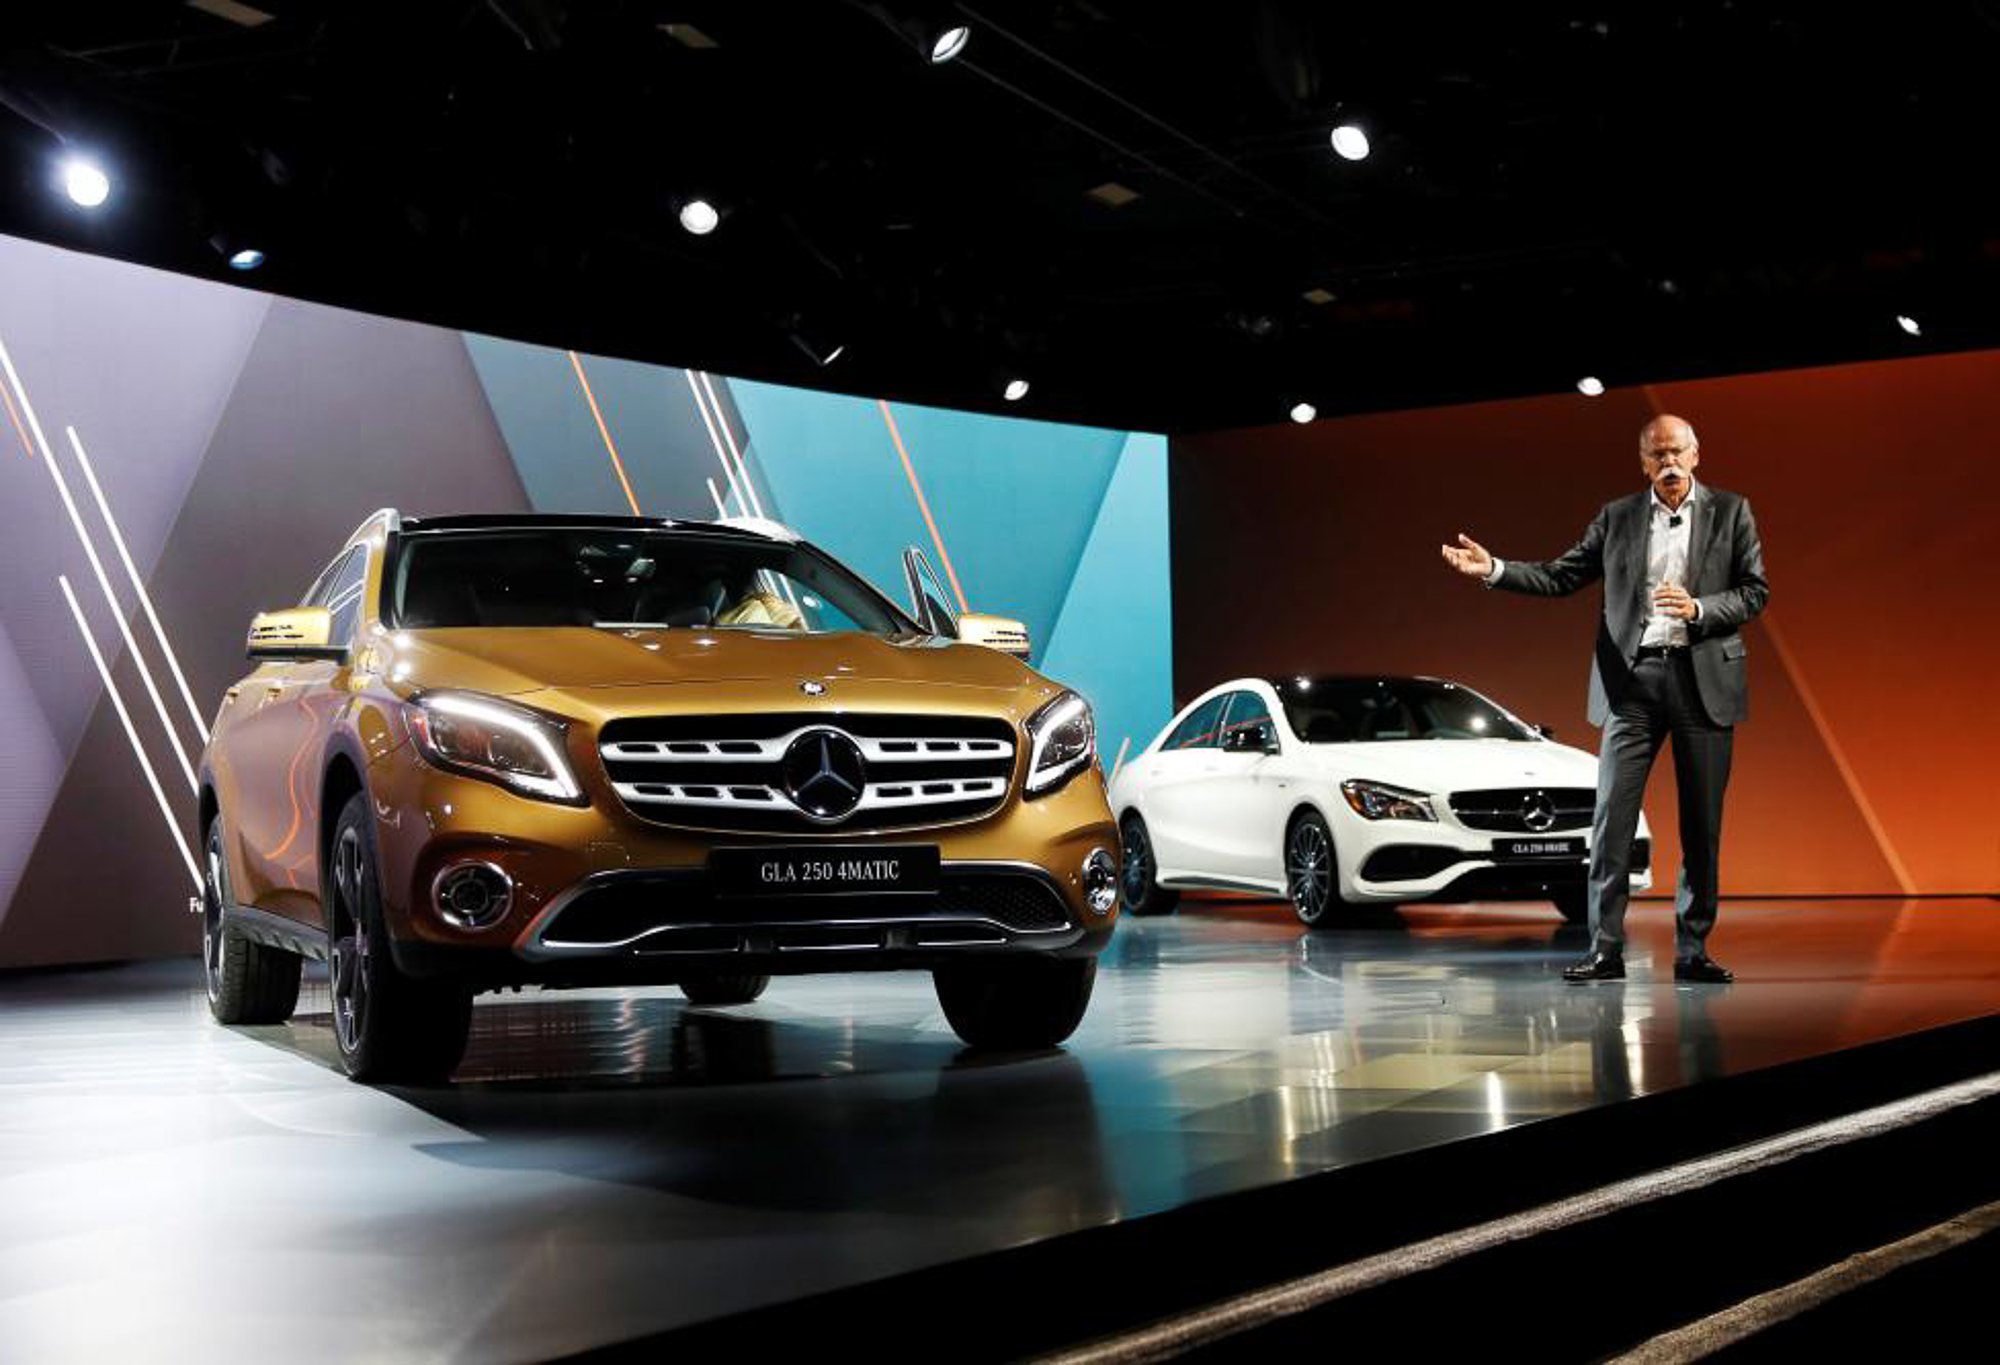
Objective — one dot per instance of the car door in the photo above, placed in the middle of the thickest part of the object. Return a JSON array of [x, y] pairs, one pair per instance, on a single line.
[[1250, 793], [276, 755], [1174, 778]]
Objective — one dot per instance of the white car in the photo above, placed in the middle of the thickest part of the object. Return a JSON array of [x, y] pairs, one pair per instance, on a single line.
[[1355, 790]]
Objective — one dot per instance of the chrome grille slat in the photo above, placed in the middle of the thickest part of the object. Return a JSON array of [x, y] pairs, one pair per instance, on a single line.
[[726, 771]]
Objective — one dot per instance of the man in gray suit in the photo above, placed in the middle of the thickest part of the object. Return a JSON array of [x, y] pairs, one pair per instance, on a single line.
[[1683, 571]]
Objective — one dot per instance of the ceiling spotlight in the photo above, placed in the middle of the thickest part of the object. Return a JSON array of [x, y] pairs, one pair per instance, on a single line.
[[1909, 324], [85, 182], [699, 217], [246, 258], [948, 43], [1350, 142], [814, 343], [1303, 413], [1590, 386], [1016, 390]]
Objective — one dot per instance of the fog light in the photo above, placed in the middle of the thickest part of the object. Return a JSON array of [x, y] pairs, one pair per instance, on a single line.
[[1100, 881], [472, 895]]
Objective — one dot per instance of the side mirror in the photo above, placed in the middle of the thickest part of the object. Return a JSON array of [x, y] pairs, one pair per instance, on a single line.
[[294, 633], [1546, 731], [1257, 737], [995, 632]]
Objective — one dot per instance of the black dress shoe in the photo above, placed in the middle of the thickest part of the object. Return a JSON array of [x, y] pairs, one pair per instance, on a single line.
[[1599, 966], [1702, 967]]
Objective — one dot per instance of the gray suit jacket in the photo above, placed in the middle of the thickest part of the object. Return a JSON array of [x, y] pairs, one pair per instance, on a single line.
[[1725, 574]]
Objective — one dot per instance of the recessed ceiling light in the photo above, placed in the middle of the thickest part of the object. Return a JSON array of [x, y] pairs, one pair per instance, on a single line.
[[1590, 386], [1318, 295], [1350, 142], [85, 182], [1113, 195], [1303, 413], [247, 258], [1909, 324], [699, 217], [949, 43], [1016, 390]]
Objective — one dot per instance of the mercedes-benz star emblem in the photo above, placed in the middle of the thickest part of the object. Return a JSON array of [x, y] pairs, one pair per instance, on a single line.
[[1538, 813], [823, 774], [813, 689]]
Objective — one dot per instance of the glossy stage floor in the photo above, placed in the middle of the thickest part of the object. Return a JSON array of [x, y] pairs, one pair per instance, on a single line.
[[616, 1164]]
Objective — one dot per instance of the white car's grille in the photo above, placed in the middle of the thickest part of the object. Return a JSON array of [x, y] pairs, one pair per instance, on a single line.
[[1525, 810], [809, 773]]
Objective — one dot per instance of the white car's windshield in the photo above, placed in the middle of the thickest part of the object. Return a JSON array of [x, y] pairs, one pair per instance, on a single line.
[[1360, 710]]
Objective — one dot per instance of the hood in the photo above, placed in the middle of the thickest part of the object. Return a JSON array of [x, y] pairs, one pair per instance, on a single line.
[[1448, 765], [573, 658]]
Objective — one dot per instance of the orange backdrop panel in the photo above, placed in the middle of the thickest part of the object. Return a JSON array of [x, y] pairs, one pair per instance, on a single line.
[[1868, 764]]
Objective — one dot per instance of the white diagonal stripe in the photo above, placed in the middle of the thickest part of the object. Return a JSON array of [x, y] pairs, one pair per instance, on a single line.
[[131, 733], [721, 455], [97, 567], [138, 584]]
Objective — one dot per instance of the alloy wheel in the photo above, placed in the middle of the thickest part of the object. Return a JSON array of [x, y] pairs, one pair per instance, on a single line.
[[1138, 862], [1309, 869], [212, 946], [348, 971]]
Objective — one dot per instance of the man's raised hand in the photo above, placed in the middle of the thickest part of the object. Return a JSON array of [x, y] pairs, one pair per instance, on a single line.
[[1469, 557]]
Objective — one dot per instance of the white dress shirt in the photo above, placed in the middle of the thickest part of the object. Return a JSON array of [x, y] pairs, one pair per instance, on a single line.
[[1667, 562]]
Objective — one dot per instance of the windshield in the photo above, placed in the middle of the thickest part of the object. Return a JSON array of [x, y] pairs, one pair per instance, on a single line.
[[568, 576], [1350, 710]]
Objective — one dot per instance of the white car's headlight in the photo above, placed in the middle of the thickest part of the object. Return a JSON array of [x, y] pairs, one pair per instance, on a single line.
[[1062, 742], [1380, 801], [482, 737]]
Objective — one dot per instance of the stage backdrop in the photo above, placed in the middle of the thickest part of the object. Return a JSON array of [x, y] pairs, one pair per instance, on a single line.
[[1867, 765], [222, 442]]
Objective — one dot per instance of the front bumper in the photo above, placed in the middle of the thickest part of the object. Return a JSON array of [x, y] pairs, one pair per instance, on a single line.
[[599, 897], [1467, 870]]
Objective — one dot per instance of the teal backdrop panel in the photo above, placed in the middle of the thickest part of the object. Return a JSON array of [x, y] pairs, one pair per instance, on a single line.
[[1113, 640]]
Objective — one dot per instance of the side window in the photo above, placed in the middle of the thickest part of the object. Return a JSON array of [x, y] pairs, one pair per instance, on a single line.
[[1199, 730], [1246, 709], [343, 596]]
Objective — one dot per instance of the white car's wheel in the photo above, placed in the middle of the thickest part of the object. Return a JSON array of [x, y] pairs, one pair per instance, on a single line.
[[1310, 877], [1143, 895]]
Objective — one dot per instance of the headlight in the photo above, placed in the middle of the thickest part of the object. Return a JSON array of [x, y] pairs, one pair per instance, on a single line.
[[519, 749], [1380, 801], [1062, 741]]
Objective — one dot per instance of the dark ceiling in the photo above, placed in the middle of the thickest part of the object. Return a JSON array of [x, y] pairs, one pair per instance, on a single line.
[[1641, 193]]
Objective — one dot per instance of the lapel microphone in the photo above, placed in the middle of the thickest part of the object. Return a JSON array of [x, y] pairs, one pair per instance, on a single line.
[[1674, 520]]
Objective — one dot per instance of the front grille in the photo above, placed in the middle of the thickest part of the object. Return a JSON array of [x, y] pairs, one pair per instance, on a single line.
[[631, 911], [726, 772], [1505, 809]]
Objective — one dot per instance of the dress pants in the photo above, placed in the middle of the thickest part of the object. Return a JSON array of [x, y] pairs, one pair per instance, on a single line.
[[1661, 702]]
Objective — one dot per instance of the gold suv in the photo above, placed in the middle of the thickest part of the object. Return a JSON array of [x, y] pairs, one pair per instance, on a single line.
[[491, 751]]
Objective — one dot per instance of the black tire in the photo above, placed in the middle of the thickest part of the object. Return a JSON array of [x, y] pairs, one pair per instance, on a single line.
[[724, 990], [388, 1027], [1023, 1004], [248, 983], [1573, 904], [1143, 895], [1312, 878]]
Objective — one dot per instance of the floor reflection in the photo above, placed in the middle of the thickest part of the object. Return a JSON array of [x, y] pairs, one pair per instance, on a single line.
[[615, 1162]]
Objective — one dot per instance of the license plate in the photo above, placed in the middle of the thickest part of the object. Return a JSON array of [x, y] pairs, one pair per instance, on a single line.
[[1538, 848], [840, 870]]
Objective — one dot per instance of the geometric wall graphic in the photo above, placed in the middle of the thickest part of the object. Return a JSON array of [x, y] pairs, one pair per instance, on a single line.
[[1866, 766], [235, 439]]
